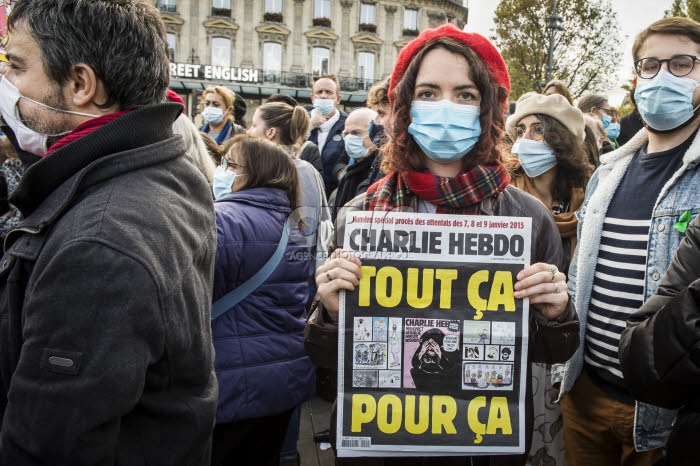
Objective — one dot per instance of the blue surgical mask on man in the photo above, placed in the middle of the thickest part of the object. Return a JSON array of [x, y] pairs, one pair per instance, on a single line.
[[223, 181], [536, 157], [444, 130], [613, 130], [324, 106], [213, 114], [606, 119], [665, 101], [354, 146]]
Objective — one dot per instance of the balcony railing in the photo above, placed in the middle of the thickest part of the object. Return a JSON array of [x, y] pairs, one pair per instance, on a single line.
[[289, 79], [221, 12], [167, 7], [305, 80]]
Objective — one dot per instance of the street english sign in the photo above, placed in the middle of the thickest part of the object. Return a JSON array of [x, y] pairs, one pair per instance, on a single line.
[[216, 73]]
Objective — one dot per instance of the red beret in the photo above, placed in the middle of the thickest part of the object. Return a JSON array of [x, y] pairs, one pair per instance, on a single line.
[[480, 44], [174, 97]]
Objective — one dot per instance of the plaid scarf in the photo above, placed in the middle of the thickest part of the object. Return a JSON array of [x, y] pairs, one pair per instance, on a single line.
[[459, 195]]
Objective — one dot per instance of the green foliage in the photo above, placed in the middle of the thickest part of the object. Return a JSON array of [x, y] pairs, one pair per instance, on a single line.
[[587, 51], [685, 8]]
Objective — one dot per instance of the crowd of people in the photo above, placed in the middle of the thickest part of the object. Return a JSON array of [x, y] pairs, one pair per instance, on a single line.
[[170, 292]]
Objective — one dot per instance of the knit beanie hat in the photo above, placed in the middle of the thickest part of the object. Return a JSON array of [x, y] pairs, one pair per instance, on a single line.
[[480, 44], [553, 105]]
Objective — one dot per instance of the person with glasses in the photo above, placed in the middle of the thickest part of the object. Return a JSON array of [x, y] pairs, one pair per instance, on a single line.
[[262, 370], [631, 223], [597, 106], [551, 164]]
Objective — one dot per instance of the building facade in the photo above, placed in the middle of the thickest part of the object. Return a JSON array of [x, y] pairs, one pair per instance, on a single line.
[[262, 47]]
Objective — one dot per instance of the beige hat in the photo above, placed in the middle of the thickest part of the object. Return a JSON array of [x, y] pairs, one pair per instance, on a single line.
[[553, 105]]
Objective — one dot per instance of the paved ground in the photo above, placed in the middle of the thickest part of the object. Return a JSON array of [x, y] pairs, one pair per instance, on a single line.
[[315, 417]]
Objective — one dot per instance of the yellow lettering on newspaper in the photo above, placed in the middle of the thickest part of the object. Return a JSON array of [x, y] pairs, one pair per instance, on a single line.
[[413, 284], [365, 410], [499, 417], [501, 292], [419, 427]]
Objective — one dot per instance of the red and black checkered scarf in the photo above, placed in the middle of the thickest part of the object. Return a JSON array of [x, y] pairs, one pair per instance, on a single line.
[[459, 195]]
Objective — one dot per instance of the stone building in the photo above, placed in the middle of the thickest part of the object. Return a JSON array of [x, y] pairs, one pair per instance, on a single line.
[[261, 47]]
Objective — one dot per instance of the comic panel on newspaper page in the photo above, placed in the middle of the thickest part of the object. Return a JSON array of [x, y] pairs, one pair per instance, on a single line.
[[433, 356]]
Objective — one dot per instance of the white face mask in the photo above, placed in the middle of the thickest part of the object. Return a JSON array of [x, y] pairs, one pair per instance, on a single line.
[[28, 139]]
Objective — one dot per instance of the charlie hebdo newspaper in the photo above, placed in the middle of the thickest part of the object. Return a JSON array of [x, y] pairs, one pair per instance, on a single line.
[[433, 359]]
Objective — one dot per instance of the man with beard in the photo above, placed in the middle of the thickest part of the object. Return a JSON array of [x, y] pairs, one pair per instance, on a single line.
[[434, 369], [633, 218], [105, 288]]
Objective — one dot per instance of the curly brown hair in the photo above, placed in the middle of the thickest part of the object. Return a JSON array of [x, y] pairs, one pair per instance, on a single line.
[[573, 168], [404, 154]]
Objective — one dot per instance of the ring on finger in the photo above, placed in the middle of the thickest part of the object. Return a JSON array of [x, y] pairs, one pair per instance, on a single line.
[[328, 276], [556, 287], [554, 272]]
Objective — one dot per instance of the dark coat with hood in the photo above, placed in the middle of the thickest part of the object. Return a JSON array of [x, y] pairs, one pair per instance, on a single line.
[[659, 351], [105, 296]]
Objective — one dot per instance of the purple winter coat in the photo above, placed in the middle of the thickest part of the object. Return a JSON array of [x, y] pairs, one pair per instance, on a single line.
[[260, 361]]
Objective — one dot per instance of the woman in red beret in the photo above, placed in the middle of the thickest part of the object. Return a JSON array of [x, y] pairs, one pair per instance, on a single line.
[[448, 93]]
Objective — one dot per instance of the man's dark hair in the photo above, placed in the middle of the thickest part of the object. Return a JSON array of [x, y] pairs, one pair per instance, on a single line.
[[123, 41]]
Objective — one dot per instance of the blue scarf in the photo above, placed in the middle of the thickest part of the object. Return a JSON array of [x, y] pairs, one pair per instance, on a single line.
[[222, 135]]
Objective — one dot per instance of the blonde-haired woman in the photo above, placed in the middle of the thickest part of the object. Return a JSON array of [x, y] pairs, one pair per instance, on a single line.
[[217, 108]]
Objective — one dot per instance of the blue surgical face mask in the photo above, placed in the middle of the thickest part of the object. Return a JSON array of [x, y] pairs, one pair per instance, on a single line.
[[445, 131], [223, 181], [536, 157], [666, 101], [606, 119], [213, 115], [613, 130], [354, 147], [324, 106]]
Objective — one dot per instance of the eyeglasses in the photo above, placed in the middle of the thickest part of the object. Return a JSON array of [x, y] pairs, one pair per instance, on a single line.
[[536, 131], [679, 66], [604, 110], [227, 163]]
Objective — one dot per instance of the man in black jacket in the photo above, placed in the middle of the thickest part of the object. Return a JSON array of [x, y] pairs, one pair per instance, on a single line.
[[361, 151], [105, 287]]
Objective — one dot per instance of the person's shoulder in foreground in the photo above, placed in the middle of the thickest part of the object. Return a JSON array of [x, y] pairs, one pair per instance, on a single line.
[[105, 287]]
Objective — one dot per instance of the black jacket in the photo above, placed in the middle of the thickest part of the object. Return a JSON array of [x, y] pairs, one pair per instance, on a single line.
[[106, 355], [309, 153], [332, 150], [629, 126], [659, 350], [353, 180]]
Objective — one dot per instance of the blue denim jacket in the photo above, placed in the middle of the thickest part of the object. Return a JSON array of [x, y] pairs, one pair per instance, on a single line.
[[652, 424]]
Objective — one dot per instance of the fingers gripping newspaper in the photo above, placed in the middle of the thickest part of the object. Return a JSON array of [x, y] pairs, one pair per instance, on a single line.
[[433, 356]]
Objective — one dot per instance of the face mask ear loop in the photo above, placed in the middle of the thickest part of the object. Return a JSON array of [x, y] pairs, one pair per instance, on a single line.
[[89, 115], [696, 108]]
